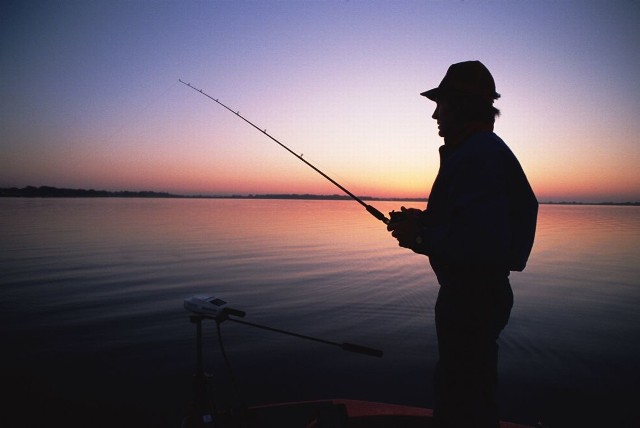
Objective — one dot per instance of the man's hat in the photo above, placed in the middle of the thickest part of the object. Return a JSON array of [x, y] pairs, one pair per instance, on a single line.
[[466, 78]]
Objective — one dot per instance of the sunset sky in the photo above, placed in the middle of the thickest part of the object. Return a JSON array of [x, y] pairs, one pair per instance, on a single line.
[[91, 98]]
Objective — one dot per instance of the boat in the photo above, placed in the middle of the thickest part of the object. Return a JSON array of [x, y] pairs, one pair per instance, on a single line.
[[331, 413], [326, 413]]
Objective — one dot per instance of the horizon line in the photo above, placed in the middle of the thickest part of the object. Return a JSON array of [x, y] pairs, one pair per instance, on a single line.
[[55, 192]]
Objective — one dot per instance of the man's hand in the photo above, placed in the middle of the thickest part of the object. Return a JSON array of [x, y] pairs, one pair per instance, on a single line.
[[407, 231]]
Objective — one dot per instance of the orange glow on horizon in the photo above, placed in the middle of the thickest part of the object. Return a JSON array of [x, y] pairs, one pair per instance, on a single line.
[[340, 86]]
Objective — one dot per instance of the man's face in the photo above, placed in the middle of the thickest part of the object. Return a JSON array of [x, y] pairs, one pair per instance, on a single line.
[[447, 117]]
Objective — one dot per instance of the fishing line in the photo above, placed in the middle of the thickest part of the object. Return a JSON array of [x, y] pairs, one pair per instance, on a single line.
[[371, 210], [127, 119]]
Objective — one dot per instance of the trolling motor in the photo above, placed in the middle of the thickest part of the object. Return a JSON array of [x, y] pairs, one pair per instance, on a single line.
[[210, 307], [213, 308]]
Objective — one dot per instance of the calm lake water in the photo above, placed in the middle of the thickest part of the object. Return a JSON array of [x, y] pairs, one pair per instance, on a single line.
[[94, 331]]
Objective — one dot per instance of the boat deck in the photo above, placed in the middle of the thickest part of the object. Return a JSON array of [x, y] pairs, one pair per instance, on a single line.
[[336, 413]]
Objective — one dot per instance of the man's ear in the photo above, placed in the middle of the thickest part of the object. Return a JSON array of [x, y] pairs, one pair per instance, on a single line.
[[463, 107]]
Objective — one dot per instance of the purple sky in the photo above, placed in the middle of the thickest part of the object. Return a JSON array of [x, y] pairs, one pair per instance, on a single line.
[[91, 98]]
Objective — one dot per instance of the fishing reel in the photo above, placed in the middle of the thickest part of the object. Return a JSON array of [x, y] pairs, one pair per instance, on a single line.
[[405, 214], [397, 216], [400, 216]]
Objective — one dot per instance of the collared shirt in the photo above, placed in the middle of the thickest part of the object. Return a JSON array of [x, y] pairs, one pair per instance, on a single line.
[[482, 212]]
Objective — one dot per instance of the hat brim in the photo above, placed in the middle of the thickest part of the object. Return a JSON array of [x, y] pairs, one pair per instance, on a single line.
[[432, 94]]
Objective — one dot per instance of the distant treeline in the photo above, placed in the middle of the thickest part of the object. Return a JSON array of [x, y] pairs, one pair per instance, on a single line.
[[54, 192], [317, 197], [632, 204]]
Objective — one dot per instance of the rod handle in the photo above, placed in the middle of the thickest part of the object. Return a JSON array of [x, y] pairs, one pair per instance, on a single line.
[[377, 214], [359, 349]]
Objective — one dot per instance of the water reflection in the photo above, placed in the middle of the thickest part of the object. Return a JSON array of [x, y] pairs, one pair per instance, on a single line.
[[103, 281]]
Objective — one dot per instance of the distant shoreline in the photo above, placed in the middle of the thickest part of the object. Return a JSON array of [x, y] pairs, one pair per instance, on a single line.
[[54, 192]]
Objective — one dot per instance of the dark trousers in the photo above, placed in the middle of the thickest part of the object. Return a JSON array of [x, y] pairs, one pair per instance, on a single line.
[[471, 311]]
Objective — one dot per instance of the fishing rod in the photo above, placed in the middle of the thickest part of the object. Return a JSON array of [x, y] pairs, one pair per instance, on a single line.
[[371, 210], [214, 308], [203, 412]]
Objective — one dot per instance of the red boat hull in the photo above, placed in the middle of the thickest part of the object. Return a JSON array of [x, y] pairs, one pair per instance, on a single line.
[[336, 413]]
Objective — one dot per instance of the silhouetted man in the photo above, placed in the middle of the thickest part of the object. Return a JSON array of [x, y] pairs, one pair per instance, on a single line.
[[478, 226]]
